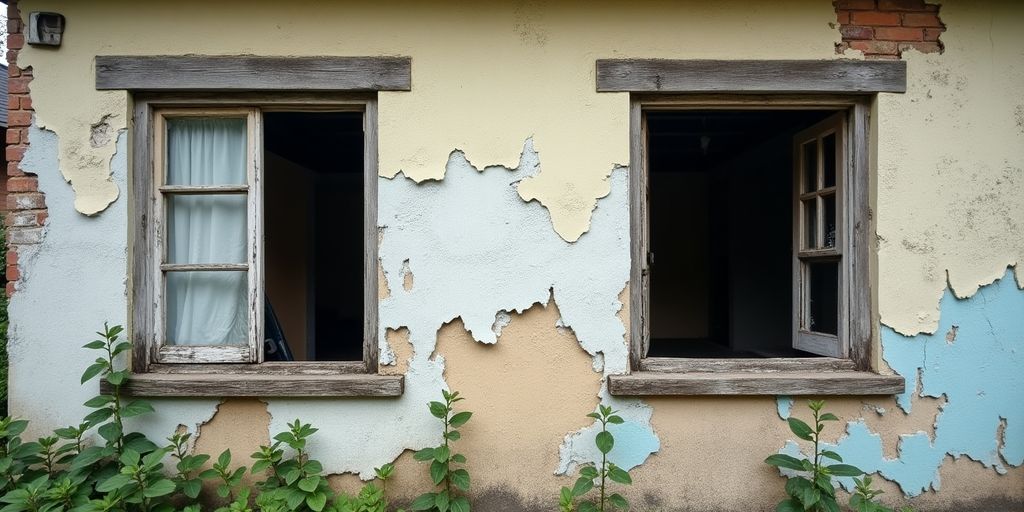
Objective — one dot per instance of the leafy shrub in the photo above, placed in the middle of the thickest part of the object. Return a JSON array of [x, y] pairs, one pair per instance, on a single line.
[[443, 460], [605, 441], [813, 488]]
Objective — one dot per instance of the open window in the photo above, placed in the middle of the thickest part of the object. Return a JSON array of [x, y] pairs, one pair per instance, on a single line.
[[256, 248], [750, 255]]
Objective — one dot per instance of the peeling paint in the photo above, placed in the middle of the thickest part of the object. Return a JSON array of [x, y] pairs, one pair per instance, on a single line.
[[784, 404], [979, 376]]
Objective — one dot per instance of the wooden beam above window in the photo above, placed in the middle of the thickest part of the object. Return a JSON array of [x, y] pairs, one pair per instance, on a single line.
[[250, 73], [751, 76]]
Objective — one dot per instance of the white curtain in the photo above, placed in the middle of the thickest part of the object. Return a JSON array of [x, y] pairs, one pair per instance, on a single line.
[[207, 307]]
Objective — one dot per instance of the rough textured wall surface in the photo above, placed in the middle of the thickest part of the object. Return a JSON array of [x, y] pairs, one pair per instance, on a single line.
[[482, 291]]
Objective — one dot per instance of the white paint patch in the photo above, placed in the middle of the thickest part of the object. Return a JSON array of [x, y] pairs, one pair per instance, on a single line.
[[480, 253], [77, 272]]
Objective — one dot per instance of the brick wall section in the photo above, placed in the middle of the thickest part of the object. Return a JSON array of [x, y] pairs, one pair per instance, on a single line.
[[884, 29], [25, 211]]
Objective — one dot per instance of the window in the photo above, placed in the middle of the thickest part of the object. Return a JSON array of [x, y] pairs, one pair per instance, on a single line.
[[256, 246], [750, 226]]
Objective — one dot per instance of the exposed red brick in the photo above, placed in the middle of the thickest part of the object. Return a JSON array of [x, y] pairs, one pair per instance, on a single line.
[[843, 17], [923, 47], [901, 5], [25, 102], [855, 4], [875, 47], [22, 183], [15, 41], [13, 136], [26, 201], [916, 19], [10, 288], [41, 217], [932, 34], [18, 85], [12, 272], [19, 118], [13, 71], [12, 257], [899, 34], [856, 32], [875, 18], [14, 170], [14, 153]]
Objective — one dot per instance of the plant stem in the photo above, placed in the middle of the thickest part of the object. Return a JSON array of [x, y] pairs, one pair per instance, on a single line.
[[447, 476], [119, 444], [604, 463]]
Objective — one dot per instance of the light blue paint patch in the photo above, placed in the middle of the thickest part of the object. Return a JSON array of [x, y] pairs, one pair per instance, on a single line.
[[634, 442], [977, 369], [784, 405]]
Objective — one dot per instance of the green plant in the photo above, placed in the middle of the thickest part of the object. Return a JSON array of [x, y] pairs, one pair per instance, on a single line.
[[812, 490], [442, 461], [187, 481], [863, 498], [292, 483], [605, 441], [229, 479]]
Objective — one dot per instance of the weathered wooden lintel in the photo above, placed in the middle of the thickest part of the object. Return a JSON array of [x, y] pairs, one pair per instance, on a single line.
[[252, 73], [751, 76]]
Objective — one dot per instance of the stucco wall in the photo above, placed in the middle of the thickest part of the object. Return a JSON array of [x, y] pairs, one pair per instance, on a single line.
[[519, 304]]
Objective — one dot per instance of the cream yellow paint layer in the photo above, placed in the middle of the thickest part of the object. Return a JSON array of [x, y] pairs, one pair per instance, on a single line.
[[485, 77], [951, 166]]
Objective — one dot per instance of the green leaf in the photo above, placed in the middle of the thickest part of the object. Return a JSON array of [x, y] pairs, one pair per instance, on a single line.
[[785, 461], [117, 378], [317, 501], [459, 458], [161, 487], [310, 483], [209, 474], [292, 475], [113, 483], [604, 441], [829, 504], [423, 502], [441, 501], [615, 420], [832, 455], [795, 486], [438, 470], [441, 453], [454, 435], [130, 458], [589, 472], [109, 431], [138, 442], [424, 454], [191, 488], [93, 370], [583, 485], [810, 496], [95, 344], [828, 417], [98, 416], [618, 501], [223, 490], [460, 504], [801, 429], [587, 506], [98, 401], [460, 419], [619, 475], [460, 479], [224, 459], [136, 408], [790, 505], [844, 470], [439, 410], [87, 457]]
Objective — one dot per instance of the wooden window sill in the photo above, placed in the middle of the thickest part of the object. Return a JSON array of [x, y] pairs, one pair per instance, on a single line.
[[750, 383], [261, 385]]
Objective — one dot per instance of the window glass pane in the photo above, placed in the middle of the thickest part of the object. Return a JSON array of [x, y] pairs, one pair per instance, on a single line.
[[823, 294], [829, 206], [206, 228], [810, 161], [206, 151], [207, 308], [810, 222], [828, 167]]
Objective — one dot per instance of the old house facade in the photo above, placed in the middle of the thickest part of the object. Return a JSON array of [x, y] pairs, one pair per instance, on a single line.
[[699, 213]]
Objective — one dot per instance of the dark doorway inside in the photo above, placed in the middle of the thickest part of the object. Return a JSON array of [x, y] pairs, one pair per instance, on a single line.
[[313, 222], [721, 231]]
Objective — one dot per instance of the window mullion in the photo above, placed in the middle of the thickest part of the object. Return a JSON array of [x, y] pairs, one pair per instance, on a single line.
[[255, 235]]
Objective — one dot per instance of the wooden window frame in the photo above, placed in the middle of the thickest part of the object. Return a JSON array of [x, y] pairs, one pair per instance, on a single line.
[[852, 374], [161, 372]]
